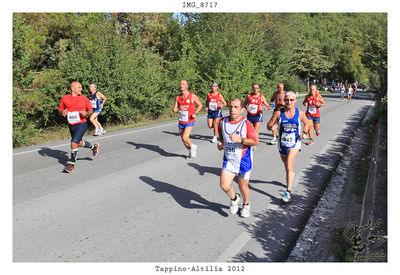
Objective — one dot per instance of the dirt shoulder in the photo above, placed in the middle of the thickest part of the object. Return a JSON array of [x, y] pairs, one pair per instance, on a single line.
[[333, 232]]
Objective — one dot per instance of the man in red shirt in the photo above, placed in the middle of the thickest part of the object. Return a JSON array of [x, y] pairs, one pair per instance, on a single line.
[[186, 103], [313, 101], [76, 108]]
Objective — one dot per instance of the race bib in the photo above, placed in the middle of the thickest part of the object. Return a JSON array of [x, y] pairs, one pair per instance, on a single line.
[[312, 110], [213, 106], [184, 116], [253, 108], [93, 102], [73, 117], [230, 150], [288, 139]]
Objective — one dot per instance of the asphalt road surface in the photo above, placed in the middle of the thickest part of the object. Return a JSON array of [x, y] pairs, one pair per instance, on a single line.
[[140, 200]]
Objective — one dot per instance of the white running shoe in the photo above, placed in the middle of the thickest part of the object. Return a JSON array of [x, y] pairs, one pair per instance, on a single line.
[[273, 141], [103, 131], [286, 197], [234, 207], [245, 213], [193, 150], [96, 132], [215, 139]]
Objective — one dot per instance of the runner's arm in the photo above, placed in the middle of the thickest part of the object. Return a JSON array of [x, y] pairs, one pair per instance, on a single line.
[[306, 124], [266, 104], [221, 97], [322, 101], [274, 119], [175, 108], [198, 103], [220, 144], [206, 105], [104, 98], [305, 100], [273, 97], [61, 109]]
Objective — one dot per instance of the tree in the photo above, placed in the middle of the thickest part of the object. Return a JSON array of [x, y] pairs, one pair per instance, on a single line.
[[308, 62]]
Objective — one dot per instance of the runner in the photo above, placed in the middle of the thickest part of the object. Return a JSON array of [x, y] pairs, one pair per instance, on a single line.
[[76, 108], [253, 104], [342, 94], [97, 101], [313, 100], [214, 103], [277, 100], [236, 135], [354, 88], [186, 104], [287, 121], [349, 94]]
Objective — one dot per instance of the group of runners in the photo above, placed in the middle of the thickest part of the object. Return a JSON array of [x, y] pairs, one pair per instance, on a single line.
[[236, 135]]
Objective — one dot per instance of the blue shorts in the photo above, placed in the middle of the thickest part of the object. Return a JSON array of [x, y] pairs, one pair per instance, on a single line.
[[283, 151], [97, 111], [255, 118], [315, 119], [77, 131], [214, 114], [182, 126]]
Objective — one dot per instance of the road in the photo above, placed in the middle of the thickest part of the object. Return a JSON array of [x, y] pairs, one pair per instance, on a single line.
[[140, 200]]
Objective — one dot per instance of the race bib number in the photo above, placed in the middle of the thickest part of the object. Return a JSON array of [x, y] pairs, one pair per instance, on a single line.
[[253, 108], [288, 139], [312, 110], [93, 102], [184, 116], [73, 117], [213, 106], [230, 150]]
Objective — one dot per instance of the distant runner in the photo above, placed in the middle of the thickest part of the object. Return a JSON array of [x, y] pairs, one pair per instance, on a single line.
[[236, 135], [97, 101], [186, 104], [342, 94], [76, 107], [287, 121], [313, 101], [277, 100], [214, 103], [349, 94]]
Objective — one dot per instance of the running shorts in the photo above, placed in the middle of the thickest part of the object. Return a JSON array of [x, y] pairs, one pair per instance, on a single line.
[[255, 118], [283, 151], [182, 126], [214, 114], [315, 119], [77, 131]]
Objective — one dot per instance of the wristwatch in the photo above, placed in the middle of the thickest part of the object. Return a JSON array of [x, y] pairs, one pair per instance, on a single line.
[[242, 140]]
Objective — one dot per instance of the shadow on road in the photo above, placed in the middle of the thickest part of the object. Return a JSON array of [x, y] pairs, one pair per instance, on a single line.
[[277, 230], [155, 148], [61, 156], [192, 136], [184, 197], [217, 171]]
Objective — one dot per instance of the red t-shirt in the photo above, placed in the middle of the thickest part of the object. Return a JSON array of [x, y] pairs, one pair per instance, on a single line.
[[213, 101], [75, 104], [312, 109], [255, 104], [186, 109]]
